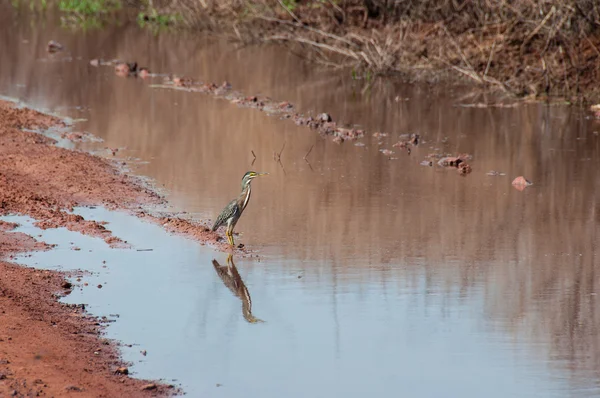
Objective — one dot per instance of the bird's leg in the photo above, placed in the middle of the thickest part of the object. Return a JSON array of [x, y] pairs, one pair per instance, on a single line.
[[229, 234]]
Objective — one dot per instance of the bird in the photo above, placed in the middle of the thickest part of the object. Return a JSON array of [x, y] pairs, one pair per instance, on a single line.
[[233, 281], [233, 211]]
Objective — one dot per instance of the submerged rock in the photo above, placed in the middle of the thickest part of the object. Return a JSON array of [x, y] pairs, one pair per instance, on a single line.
[[450, 161], [144, 73], [454, 161], [325, 117], [414, 139], [54, 46], [464, 169], [181, 81], [521, 183], [122, 69]]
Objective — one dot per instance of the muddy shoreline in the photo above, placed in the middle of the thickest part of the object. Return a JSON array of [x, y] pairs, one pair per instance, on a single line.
[[76, 178], [44, 345]]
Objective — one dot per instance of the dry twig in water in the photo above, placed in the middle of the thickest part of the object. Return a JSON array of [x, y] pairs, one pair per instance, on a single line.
[[277, 156], [309, 151]]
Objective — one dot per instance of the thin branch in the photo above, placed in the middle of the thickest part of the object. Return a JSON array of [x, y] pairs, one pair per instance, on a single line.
[[282, 168], [338, 50], [237, 32], [461, 53], [338, 8], [473, 75], [319, 31], [282, 147], [487, 68], [277, 156], [538, 28], [592, 45], [562, 57], [289, 12], [309, 151]]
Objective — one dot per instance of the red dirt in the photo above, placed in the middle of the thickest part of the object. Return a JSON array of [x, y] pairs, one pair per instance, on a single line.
[[44, 182], [7, 226], [194, 230], [17, 241]]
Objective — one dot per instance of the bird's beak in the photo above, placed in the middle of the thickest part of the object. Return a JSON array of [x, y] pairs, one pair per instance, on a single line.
[[263, 174]]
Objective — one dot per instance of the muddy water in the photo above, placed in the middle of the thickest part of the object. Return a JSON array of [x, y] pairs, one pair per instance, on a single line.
[[376, 275]]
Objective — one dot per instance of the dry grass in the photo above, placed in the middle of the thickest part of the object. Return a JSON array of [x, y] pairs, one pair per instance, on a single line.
[[526, 48]]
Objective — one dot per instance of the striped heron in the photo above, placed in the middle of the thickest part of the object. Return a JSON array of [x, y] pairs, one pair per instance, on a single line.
[[233, 211], [232, 279]]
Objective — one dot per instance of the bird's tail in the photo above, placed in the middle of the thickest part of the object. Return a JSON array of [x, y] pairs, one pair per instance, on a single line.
[[215, 226]]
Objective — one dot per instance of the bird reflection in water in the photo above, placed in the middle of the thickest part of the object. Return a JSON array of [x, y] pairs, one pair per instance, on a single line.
[[232, 279]]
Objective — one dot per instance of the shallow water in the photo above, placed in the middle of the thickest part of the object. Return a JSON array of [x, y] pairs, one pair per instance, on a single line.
[[413, 280], [317, 339]]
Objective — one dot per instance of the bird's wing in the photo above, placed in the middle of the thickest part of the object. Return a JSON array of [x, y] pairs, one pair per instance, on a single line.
[[229, 210], [228, 279]]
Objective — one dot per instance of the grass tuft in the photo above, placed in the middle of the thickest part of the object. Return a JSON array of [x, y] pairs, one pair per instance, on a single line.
[[89, 7]]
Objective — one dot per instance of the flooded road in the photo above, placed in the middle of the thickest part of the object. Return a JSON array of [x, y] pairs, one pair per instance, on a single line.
[[376, 276]]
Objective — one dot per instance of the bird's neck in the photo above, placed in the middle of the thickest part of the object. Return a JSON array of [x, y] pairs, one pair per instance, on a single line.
[[244, 197]]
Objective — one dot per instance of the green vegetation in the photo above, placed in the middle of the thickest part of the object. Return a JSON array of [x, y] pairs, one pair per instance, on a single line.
[[76, 14], [87, 14], [33, 5], [289, 4], [89, 7], [156, 20]]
